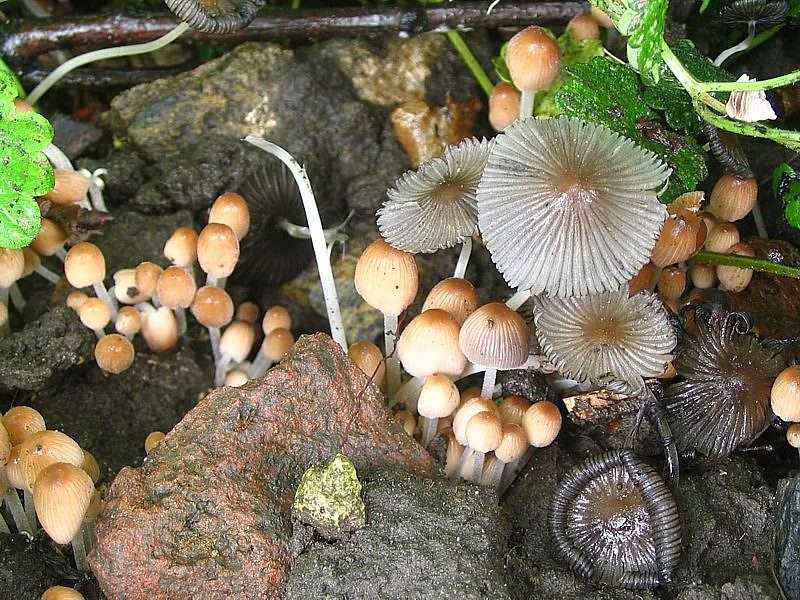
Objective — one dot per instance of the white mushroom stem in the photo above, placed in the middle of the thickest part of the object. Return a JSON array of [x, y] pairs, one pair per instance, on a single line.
[[513, 469], [489, 378], [392, 361], [743, 45], [79, 550], [317, 236], [17, 511], [518, 299], [89, 57], [463, 258]]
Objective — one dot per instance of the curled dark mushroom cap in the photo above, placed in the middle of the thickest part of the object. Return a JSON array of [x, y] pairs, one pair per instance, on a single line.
[[434, 207], [569, 208], [216, 16], [723, 401], [614, 520], [607, 338]]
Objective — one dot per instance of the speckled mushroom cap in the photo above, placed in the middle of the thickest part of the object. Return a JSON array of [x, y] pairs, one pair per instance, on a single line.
[[569, 208], [495, 336], [434, 207], [215, 16], [607, 338]]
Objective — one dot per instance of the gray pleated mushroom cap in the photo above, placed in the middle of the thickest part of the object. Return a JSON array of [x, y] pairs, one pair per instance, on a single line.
[[434, 207], [609, 338], [569, 208]]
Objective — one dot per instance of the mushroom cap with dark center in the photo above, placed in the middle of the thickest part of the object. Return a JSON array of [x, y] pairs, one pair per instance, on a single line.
[[435, 207], [215, 16], [723, 401], [569, 208], [615, 522], [606, 338]]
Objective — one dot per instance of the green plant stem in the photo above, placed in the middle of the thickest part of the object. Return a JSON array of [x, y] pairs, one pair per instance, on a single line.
[[472, 63], [89, 57], [713, 110], [746, 262]]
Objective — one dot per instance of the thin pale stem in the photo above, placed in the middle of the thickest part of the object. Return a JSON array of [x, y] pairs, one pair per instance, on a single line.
[[463, 258], [392, 362], [317, 236]]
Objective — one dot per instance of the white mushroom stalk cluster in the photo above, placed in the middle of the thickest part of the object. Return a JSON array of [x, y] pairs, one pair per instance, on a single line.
[[57, 480]]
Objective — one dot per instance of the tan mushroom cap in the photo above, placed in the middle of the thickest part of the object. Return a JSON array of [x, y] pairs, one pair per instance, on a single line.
[[678, 238], [513, 445], [146, 278], [733, 197], [465, 412], [90, 465], [160, 330], [439, 397], [128, 321], [542, 422], [793, 435], [248, 311], [62, 494], [231, 209], [512, 408], [125, 290], [503, 106], [386, 278], [429, 344], [94, 313], [12, 266], [212, 306], [495, 336], [217, 250], [37, 451], [22, 421], [736, 279], [176, 287], [785, 394], [484, 431], [84, 265], [50, 239], [70, 187], [237, 340], [274, 317], [181, 247], [721, 237], [114, 353], [584, 26], [60, 592], [369, 358], [152, 440], [455, 295], [277, 344], [533, 59]]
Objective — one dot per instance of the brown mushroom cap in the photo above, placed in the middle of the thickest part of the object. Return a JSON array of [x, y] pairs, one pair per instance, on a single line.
[[455, 295], [533, 59], [70, 187], [12, 266], [114, 353], [439, 397], [212, 306], [369, 358], [785, 394], [50, 239], [237, 340], [128, 321], [503, 106], [152, 440], [429, 344], [542, 422], [22, 421], [495, 336], [277, 344], [84, 265], [125, 290], [584, 26], [181, 247], [146, 278], [62, 494], [176, 287], [513, 445], [386, 278], [274, 317], [231, 209], [59, 592], [37, 451], [94, 313], [484, 431], [733, 197], [736, 279], [217, 250], [160, 329]]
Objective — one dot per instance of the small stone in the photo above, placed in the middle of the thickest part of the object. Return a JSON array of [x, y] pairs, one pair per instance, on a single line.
[[329, 498]]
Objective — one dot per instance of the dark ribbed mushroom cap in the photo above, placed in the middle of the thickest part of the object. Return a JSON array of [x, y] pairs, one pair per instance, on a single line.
[[606, 338], [723, 402], [215, 16], [568, 208], [434, 207]]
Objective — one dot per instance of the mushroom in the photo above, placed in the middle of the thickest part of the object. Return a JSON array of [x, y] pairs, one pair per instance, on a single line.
[[12, 266], [568, 208], [512, 447], [504, 104], [274, 348], [754, 16], [435, 207], [85, 265], [175, 289], [60, 592], [217, 252], [610, 339], [455, 295], [533, 59], [584, 26], [114, 353], [387, 280], [181, 247], [733, 197], [70, 187], [62, 494], [231, 209], [22, 421], [438, 399], [159, 329], [10, 497], [494, 337], [736, 279], [369, 358], [152, 440], [234, 345], [213, 308], [785, 394]]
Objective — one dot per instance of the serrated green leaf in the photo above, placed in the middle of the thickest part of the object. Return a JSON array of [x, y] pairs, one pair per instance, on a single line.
[[669, 96], [644, 43], [608, 93], [792, 213], [25, 171], [20, 219]]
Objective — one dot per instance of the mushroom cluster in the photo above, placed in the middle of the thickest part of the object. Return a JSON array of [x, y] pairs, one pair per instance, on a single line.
[[56, 477]]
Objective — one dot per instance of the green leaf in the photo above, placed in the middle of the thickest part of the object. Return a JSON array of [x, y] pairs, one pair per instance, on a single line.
[[644, 43], [792, 212], [786, 188], [608, 93], [25, 171]]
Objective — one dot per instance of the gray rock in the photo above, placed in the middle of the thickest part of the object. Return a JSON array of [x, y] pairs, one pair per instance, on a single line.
[[423, 539], [788, 536]]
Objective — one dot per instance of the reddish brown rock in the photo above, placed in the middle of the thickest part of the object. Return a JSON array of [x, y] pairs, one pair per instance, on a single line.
[[208, 513]]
